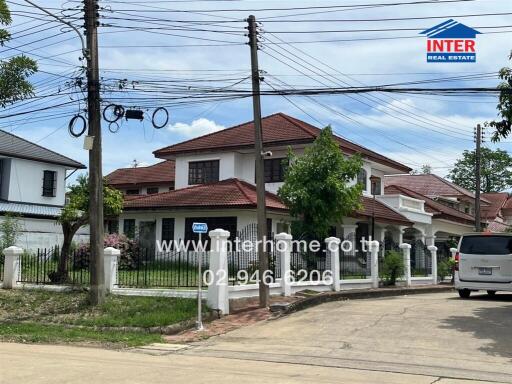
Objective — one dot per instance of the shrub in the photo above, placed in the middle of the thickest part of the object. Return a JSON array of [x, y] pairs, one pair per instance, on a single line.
[[393, 267], [445, 268]]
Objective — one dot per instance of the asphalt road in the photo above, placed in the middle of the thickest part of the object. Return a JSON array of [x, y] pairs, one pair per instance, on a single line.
[[415, 339]]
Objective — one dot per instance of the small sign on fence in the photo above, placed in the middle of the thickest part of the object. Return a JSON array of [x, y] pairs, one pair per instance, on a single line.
[[199, 227]]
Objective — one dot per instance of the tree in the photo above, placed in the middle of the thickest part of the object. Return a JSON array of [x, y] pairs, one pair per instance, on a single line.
[[495, 171], [75, 215], [317, 187], [15, 71], [502, 127], [10, 229]]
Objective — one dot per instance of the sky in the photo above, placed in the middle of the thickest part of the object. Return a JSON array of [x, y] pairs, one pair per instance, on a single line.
[[159, 49]]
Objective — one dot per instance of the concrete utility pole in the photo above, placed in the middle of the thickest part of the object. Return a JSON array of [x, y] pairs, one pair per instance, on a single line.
[[478, 155], [97, 293], [260, 164]]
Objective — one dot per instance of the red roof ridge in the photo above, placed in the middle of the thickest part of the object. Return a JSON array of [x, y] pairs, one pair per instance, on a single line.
[[301, 124], [242, 189]]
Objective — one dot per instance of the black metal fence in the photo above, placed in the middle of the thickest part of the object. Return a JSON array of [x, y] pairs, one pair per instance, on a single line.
[[2, 262], [421, 260], [150, 269], [42, 267]]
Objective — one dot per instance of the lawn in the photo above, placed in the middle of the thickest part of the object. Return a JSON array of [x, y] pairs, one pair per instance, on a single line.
[[51, 317]]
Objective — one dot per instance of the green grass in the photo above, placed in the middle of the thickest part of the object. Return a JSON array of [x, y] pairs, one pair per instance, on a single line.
[[42, 316]]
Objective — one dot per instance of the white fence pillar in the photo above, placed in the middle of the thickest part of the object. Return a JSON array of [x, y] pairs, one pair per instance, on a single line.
[[406, 249], [283, 250], [12, 266], [433, 253], [333, 252], [453, 251], [218, 295], [374, 252], [110, 261]]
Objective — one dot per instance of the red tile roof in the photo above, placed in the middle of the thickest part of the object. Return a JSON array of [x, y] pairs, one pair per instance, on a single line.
[[278, 129], [382, 212], [497, 201], [160, 173], [429, 185], [230, 193], [431, 206]]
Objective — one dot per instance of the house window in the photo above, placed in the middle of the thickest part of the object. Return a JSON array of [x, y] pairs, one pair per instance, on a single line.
[[168, 229], [201, 172], [376, 185], [361, 178], [133, 191], [275, 170], [129, 228], [49, 183], [227, 223], [152, 190], [112, 226]]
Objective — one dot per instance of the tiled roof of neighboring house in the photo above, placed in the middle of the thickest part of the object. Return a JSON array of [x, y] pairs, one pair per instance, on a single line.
[[432, 206], [14, 146], [429, 185], [278, 129], [230, 193], [160, 173], [382, 212], [29, 209], [496, 226], [497, 201]]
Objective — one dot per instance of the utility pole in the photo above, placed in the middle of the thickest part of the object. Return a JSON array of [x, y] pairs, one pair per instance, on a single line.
[[260, 164], [97, 293], [478, 158]]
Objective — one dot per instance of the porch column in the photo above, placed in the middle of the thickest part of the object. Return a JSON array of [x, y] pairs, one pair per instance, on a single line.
[[433, 253], [218, 295], [12, 266], [374, 251], [401, 230], [348, 229], [283, 250], [333, 254], [110, 259], [406, 249], [453, 251]]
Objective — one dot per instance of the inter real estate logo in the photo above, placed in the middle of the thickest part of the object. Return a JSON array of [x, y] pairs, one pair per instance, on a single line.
[[451, 42]]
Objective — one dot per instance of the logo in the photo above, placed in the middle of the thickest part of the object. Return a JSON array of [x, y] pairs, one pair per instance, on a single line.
[[451, 42], [199, 227]]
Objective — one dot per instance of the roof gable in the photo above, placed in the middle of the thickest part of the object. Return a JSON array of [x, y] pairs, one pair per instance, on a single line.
[[278, 129], [450, 29], [17, 147]]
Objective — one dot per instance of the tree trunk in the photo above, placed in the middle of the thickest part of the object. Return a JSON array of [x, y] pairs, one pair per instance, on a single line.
[[68, 230]]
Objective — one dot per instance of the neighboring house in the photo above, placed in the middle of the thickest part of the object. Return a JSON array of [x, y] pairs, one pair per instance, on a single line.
[[497, 216], [214, 182], [33, 187], [148, 180]]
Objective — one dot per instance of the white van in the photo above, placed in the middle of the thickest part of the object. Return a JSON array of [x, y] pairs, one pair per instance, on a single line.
[[484, 263]]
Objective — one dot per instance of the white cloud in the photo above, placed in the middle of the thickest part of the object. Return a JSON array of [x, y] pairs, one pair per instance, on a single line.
[[196, 128]]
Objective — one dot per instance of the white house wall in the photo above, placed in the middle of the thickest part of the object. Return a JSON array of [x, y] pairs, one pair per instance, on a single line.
[[26, 182]]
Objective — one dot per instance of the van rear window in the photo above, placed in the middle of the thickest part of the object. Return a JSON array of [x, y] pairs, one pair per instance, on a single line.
[[486, 245]]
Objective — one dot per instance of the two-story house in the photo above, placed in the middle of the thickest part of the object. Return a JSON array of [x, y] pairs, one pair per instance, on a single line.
[[33, 188], [215, 183]]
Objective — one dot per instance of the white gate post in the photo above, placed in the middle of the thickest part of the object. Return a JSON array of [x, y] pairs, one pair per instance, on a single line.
[[12, 266], [406, 249], [283, 250], [110, 261], [333, 250], [453, 251], [433, 253], [218, 295], [374, 252]]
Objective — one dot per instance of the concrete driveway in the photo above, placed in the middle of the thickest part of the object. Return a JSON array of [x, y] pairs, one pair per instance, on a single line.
[[417, 339], [434, 334]]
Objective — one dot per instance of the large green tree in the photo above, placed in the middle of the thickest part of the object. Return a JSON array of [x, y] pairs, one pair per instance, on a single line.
[[15, 71], [317, 186], [495, 170], [503, 125], [75, 215]]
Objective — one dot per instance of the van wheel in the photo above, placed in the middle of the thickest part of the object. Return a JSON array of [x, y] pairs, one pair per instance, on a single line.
[[491, 293], [464, 293]]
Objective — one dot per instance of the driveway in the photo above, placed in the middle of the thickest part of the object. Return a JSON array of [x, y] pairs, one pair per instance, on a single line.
[[417, 339], [434, 334]]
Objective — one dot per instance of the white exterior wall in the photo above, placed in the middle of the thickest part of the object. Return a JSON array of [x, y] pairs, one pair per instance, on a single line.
[[26, 182], [144, 190], [44, 233]]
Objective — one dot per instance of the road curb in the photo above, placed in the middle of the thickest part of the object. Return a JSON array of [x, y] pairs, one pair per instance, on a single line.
[[326, 297]]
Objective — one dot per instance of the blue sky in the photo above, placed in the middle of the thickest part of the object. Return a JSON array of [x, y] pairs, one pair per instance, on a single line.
[[413, 129]]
